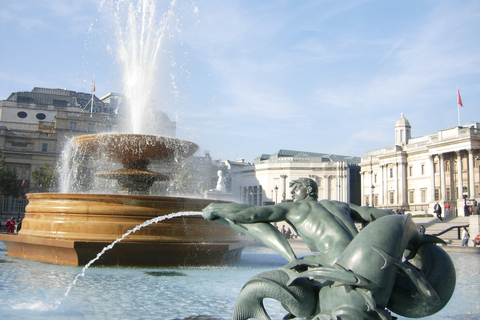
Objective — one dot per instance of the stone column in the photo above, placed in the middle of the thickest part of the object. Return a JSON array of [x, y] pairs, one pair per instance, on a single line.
[[385, 185], [432, 181], [403, 183], [395, 186], [443, 188], [284, 194], [459, 175], [471, 175], [460, 202]]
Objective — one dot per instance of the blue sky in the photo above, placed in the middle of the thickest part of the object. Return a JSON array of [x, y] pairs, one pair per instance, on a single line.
[[243, 78]]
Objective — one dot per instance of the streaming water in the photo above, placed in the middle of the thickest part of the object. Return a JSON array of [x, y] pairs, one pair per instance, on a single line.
[[140, 30], [110, 246]]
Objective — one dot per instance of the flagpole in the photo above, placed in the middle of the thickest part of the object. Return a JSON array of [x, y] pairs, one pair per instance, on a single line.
[[458, 108], [459, 104]]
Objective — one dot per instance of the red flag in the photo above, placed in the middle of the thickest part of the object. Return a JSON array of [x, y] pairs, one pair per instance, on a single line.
[[93, 84], [459, 100]]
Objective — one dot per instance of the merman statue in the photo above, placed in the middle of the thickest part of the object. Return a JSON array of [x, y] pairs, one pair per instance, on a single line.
[[388, 266]]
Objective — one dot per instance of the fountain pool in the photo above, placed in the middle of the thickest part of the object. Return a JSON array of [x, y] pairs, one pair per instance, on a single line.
[[30, 289]]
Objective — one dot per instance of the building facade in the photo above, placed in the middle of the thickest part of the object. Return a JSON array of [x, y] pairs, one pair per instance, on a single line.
[[416, 173], [266, 181], [36, 125]]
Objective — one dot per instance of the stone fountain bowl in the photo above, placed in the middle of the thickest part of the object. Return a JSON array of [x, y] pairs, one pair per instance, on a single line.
[[133, 150], [71, 229]]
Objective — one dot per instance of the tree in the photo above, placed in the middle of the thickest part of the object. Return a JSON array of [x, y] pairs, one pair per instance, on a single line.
[[10, 185], [44, 179]]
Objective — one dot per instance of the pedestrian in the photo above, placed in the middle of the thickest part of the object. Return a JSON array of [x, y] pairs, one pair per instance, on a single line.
[[10, 225], [19, 225], [476, 241], [465, 237], [437, 209], [422, 229], [447, 209], [288, 234]]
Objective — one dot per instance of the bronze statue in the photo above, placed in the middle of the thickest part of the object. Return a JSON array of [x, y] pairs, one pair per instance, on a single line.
[[388, 266]]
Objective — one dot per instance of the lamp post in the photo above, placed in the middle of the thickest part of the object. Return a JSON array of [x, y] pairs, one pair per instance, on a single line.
[[465, 196], [373, 189], [276, 193]]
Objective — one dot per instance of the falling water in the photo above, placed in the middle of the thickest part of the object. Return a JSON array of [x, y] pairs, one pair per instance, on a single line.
[[110, 246]]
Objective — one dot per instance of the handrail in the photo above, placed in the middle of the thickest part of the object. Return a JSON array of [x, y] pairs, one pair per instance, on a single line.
[[457, 227]]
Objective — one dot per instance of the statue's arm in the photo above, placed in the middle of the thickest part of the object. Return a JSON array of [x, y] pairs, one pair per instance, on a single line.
[[367, 214], [245, 213]]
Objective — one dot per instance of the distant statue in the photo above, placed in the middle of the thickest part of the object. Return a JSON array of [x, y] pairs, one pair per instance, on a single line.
[[220, 182], [388, 266]]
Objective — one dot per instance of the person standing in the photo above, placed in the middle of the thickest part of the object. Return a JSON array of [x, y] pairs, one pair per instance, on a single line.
[[422, 229], [465, 237], [437, 209], [10, 225], [447, 209], [19, 225]]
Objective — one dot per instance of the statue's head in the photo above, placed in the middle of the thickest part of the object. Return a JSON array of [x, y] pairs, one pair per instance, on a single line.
[[310, 186]]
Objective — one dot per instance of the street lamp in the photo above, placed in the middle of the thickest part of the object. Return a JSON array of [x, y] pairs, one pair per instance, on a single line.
[[276, 193], [373, 189], [465, 196]]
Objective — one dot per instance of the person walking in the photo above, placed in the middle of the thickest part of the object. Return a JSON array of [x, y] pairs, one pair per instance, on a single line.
[[10, 225], [437, 209], [447, 209], [465, 237]]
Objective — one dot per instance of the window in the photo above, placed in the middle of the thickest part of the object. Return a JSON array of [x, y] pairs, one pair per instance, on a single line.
[[22, 114], [410, 171], [435, 167], [447, 166], [423, 194], [22, 204], [91, 127], [423, 169], [44, 147], [448, 196], [391, 172], [375, 200], [375, 178], [437, 194], [5, 203], [411, 196], [14, 205], [391, 197], [73, 126], [367, 200], [41, 116]]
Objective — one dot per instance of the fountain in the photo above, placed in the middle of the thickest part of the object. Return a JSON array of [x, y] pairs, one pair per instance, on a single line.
[[71, 228]]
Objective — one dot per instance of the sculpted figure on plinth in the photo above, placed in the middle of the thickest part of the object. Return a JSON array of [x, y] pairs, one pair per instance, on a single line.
[[387, 266]]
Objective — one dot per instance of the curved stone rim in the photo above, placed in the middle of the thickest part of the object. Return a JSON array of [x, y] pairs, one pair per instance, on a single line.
[[128, 147]]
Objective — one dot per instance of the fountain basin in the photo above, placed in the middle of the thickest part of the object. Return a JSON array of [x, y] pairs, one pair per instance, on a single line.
[[71, 229]]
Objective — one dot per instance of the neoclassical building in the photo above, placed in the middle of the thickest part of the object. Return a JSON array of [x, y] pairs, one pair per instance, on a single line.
[[266, 181], [35, 126], [415, 173]]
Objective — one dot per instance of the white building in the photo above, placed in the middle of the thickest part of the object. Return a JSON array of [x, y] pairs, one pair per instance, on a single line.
[[266, 181], [35, 126], [415, 173]]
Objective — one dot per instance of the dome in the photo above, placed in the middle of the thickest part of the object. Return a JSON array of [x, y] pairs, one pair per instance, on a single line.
[[402, 122]]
